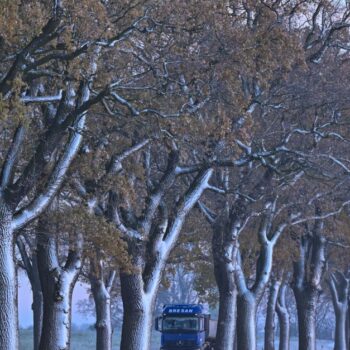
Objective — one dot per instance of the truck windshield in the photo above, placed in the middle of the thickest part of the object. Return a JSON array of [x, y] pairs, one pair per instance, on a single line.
[[180, 324]]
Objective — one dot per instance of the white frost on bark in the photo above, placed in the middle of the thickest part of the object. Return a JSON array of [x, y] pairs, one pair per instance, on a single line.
[[8, 282]]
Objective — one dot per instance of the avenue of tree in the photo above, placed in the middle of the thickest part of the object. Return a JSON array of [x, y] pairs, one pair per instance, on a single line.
[[144, 141]]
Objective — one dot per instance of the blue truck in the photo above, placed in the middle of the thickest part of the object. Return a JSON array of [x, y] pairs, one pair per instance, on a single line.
[[186, 327]]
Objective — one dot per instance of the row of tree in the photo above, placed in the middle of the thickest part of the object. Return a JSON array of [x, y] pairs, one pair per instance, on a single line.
[[126, 124]]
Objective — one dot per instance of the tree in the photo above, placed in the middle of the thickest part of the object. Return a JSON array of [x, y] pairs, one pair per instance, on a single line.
[[270, 314], [250, 296], [307, 286], [50, 77], [17, 183], [149, 235], [261, 88], [66, 238], [28, 250], [339, 286], [101, 286], [283, 318], [139, 289], [58, 279]]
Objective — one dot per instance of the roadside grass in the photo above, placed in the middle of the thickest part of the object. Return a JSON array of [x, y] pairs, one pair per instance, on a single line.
[[85, 340], [81, 340]]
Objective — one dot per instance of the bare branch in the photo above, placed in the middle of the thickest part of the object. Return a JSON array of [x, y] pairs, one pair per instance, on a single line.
[[40, 99], [11, 158], [110, 281], [209, 215], [321, 217], [116, 160]]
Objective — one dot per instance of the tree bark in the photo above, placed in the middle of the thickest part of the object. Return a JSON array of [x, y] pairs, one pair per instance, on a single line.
[[283, 318], [246, 322], [339, 287], [306, 301], [270, 316], [103, 320], [225, 336], [101, 294], [8, 282], [308, 276], [224, 276], [38, 309], [138, 309], [347, 329], [340, 330], [30, 264], [57, 313], [57, 286], [347, 326]]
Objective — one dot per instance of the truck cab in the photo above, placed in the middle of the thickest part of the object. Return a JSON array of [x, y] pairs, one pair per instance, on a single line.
[[185, 327]]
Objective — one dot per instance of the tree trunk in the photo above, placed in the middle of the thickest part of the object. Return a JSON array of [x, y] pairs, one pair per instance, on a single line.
[[224, 276], [306, 301], [8, 283], [30, 264], [138, 308], [57, 283], [308, 275], [38, 300], [246, 322], [103, 325], [340, 342], [225, 337], [57, 293], [348, 325], [38, 308], [270, 316], [283, 318], [339, 287]]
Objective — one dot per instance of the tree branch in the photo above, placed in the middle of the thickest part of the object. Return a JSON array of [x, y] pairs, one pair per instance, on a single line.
[[11, 158]]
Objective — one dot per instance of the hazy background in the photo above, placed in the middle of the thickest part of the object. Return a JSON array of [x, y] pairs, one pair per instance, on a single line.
[[25, 303]]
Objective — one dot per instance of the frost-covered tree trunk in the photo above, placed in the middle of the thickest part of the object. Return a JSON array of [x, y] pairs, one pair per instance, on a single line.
[[270, 315], [57, 283], [283, 319], [225, 336], [347, 326], [138, 313], [101, 293], [246, 321], [57, 314], [103, 325], [8, 281], [308, 275], [224, 262], [340, 332], [30, 264], [339, 286]]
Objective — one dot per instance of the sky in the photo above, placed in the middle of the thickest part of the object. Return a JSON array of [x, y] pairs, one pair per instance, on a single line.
[[25, 303]]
